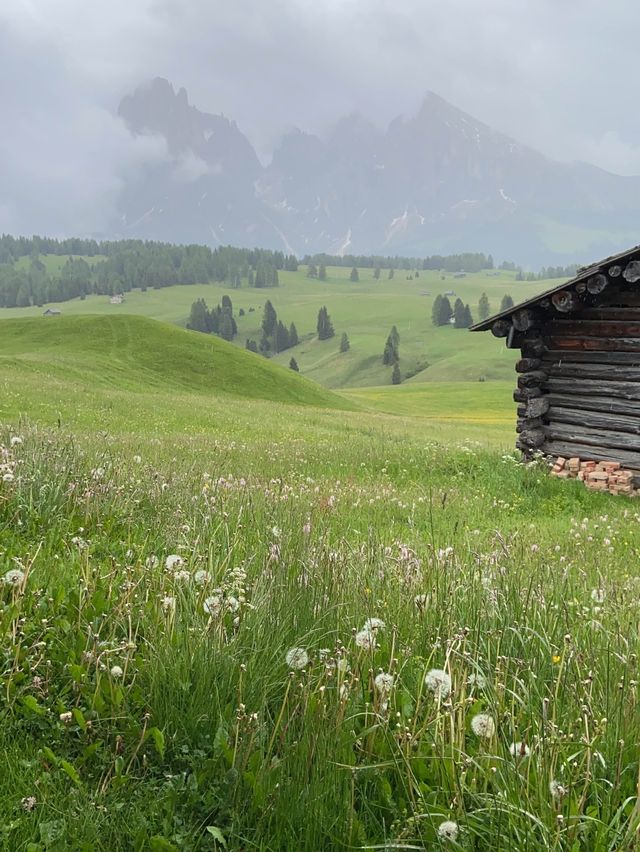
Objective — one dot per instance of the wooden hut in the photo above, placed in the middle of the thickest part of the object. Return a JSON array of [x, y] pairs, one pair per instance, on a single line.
[[578, 384]]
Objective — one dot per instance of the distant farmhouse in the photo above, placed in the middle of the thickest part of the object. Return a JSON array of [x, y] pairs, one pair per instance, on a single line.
[[116, 300], [52, 312], [578, 392]]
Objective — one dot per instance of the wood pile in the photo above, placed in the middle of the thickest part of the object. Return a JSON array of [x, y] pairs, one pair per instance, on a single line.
[[607, 476]]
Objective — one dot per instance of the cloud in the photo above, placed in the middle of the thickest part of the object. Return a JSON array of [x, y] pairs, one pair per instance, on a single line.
[[557, 76]]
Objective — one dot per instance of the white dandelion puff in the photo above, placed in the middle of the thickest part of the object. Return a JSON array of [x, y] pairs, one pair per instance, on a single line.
[[384, 683], [152, 561], [598, 595], [483, 725], [182, 576], [14, 577], [373, 624], [8, 477], [213, 605], [173, 561], [168, 603], [232, 604], [477, 681], [116, 671], [15, 440], [66, 717], [366, 640], [448, 830], [201, 578], [297, 658], [557, 789], [438, 682], [519, 750]]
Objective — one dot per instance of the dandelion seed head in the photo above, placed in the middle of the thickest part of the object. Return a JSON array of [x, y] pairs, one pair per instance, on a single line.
[[384, 683], [483, 725], [598, 595], [448, 830], [438, 682], [366, 640], [15, 440], [182, 576], [296, 658], [373, 624], [116, 671], [477, 681], [168, 603], [201, 578], [557, 789], [14, 577], [173, 561], [213, 605], [519, 750]]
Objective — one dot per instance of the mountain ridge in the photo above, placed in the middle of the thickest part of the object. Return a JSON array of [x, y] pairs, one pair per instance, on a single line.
[[436, 181]]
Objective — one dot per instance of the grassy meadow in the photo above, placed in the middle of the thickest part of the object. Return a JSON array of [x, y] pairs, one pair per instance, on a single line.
[[365, 310], [239, 611]]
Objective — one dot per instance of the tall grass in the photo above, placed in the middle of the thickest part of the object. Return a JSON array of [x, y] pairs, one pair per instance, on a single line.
[[151, 702]]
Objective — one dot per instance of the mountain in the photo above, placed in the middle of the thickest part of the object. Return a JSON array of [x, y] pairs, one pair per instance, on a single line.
[[436, 182]]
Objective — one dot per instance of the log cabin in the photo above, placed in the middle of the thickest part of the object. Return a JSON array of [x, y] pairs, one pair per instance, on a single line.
[[578, 375]]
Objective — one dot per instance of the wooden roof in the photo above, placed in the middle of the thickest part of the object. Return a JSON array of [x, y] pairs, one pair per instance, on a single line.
[[583, 274]]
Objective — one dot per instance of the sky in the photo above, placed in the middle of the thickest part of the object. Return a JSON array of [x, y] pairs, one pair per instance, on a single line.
[[558, 75]]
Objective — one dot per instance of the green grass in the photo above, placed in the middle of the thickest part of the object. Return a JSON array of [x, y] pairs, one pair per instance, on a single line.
[[366, 310], [153, 706]]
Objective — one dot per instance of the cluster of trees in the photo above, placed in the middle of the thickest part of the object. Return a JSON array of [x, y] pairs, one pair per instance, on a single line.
[[276, 336], [469, 261], [391, 355], [442, 313], [324, 325], [219, 320], [319, 272], [119, 266]]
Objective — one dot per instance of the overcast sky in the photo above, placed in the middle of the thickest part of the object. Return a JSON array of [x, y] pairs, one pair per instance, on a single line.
[[558, 75]]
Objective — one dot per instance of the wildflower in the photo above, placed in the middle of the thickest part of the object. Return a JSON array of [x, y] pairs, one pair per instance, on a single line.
[[233, 604], [373, 624], [29, 803], [297, 658], [519, 750], [366, 640], [556, 659], [116, 671], [137, 459], [384, 683], [168, 603], [173, 561], [557, 789], [8, 477], [438, 682], [448, 830], [598, 595], [213, 605], [15, 440], [182, 576], [201, 577], [477, 681], [483, 725], [66, 717], [14, 577]]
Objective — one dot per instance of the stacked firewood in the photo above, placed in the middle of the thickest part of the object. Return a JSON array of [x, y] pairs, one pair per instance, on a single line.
[[598, 476]]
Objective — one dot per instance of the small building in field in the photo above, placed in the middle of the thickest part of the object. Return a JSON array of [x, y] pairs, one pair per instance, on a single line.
[[52, 312], [578, 374]]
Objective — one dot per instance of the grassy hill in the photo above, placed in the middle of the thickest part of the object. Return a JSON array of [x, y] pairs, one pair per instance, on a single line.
[[365, 310], [140, 354]]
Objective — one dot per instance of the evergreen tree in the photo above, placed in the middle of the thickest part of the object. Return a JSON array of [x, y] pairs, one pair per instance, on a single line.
[[269, 319], [312, 271], [391, 274], [416, 274], [226, 304], [344, 342], [391, 354], [484, 308], [226, 326], [322, 272], [435, 310], [506, 303], [490, 262], [354, 275], [293, 335], [458, 313], [251, 345], [396, 377], [446, 312], [281, 338], [198, 318], [251, 278], [324, 325], [468, 319], [293, 365], [376, 273]]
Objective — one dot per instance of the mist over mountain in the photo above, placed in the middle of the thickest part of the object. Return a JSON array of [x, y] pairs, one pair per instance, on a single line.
[[437, 181]]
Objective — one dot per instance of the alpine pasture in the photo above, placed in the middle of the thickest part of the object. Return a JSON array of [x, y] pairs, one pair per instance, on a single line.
[[243, 611]]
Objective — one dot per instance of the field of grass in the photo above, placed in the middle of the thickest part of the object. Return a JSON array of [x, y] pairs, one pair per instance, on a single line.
[[366, 310], [232, 621]]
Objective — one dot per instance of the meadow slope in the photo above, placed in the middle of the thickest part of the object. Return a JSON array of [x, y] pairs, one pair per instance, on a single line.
[[233, 622]]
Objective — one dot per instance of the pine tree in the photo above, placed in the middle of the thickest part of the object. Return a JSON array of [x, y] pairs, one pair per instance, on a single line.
[[484, 308], [312, 272], [354, 275], [376, 273], [269, 319], [391, 274], [251, 345], [435, 310], [293, 365], [396, 377], [293, 335], [445, 311], [391, 354], [225, 326], [344, 342], [322, 272], [324, 325], [468, 319], [198, 318], [506, 303], [458, 313], [281, 338]]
